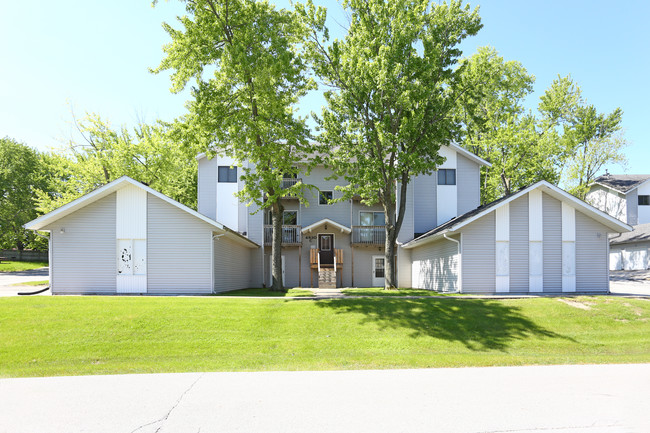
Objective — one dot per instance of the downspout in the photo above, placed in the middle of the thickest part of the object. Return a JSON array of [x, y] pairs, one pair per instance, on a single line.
[[459, 259]]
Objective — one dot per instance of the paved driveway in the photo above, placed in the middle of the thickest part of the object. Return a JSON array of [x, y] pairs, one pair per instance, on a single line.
[[584, 399], [8, 279], [630, 282]]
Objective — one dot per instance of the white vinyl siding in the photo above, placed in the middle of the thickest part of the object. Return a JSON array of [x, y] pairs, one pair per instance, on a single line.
[[84, 257], [179, 250], [478, 255], [519, 245], [435, 266], [591, 255], [231, 265], [207, 187], [425, 211], [552, 243], [632, 199]]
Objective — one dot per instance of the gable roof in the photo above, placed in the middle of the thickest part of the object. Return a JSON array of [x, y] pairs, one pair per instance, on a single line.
[[552, 190], [324, 221], [111, 187], [639, 233], [623, 183]]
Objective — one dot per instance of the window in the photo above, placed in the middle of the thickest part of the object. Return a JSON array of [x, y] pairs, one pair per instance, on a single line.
[[379, 267], [324, 197], [227, 174], [644, 200], [289, 218], [447, 176], [371, 218]]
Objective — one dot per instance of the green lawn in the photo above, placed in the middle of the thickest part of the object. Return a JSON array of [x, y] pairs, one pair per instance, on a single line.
[[20, 266], [267, 292], [33, 283], [380, 291], [44, 336]]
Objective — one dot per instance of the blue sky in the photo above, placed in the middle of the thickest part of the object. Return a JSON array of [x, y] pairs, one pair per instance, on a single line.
[[92, 56]]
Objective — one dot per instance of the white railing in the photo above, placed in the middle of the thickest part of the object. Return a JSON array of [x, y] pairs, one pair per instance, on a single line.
[[291, 235], [369, 235], [334, 267], [319, 263], [288, 182]]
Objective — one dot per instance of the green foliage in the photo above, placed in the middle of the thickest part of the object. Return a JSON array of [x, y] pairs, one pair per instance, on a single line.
[[20, 175], [243, 56], [393, 88], [13, 266], [147, 153]]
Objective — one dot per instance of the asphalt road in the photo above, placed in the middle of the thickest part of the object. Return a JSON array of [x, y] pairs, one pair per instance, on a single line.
[[577, 399], [8, 279]]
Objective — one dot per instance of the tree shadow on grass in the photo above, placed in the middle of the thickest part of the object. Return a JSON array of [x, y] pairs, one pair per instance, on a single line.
[[476, 323]]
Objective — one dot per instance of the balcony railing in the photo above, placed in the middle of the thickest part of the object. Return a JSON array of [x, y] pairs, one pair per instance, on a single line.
[[291, 235], [368, 235], [288, 182]]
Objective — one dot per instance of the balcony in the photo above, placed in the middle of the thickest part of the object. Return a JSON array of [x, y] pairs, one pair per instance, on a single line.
[[291, 235], [288, 182], [368, 235]]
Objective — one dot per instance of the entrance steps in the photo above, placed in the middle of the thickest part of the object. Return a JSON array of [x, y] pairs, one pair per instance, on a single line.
[[327, 279]]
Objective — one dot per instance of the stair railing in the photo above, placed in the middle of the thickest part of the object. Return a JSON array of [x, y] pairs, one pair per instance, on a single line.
[[319, 263], [334, 268]]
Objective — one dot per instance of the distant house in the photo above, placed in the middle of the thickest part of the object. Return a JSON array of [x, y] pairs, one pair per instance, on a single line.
[[626, 197], [127, 238]]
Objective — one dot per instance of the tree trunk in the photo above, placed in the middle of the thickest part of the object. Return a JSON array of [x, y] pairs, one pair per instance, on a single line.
[[393, 226], [276, 247], [390, 273]]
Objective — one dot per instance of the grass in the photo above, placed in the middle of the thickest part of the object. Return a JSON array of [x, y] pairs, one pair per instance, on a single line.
[[380, 291], [33, 283], [12, 266], [266, 293], [46, 336]]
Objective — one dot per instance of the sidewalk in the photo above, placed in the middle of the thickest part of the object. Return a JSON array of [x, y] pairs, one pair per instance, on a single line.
[[574, 398]]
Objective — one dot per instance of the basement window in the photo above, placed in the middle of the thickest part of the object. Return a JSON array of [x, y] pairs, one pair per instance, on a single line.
[[447, 176], [227, 174], [644, 200]]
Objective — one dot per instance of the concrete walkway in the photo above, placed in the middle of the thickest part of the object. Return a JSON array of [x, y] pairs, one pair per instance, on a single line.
[[9, 279], [584, 399]]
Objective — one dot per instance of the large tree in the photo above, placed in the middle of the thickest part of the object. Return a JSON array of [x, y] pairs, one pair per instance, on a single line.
[[21, 173], [101, 154], [394, 85], [242, 57]]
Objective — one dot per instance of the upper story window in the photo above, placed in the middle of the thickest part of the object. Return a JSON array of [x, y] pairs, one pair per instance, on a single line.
[[644, 200], [447, 176], [289, 218], [371, 219], [227, 174], [324, 197]]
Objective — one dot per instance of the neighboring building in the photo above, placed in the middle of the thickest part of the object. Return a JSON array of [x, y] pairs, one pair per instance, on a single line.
[[626, 197], [128, 238]]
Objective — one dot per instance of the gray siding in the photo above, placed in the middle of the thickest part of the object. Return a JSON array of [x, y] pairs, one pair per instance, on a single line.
[[435, 266], [425, 210], [552, 222], [207, 187], [478, 255], [632, 199], [339, 212], [406, 231], [84, 256], [469, 181], [179, 250], [231, 265], [519, 279], [591, 255]]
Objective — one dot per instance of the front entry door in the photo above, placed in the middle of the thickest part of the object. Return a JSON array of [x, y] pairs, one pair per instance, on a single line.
[[378, 271], [326, 247]]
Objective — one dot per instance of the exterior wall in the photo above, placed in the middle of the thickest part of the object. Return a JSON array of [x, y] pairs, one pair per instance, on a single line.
[[255, 232], [447, 195], [84, 256], [207, 187], [519, 274], [406, 232], [339, 212], [643, 212], [591, 255], [179, 250], [227, 203], [632, 199], [231, 265], [608, 201], [468, 179], [425, 204], [363, 265], [552, 243], [435, 266], [478, 256], [632, 256]]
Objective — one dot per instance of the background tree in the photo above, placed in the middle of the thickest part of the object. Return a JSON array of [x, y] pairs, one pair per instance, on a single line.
[[522, 147], [21, 173], [243, 57], [147, 153], [394, 87]]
